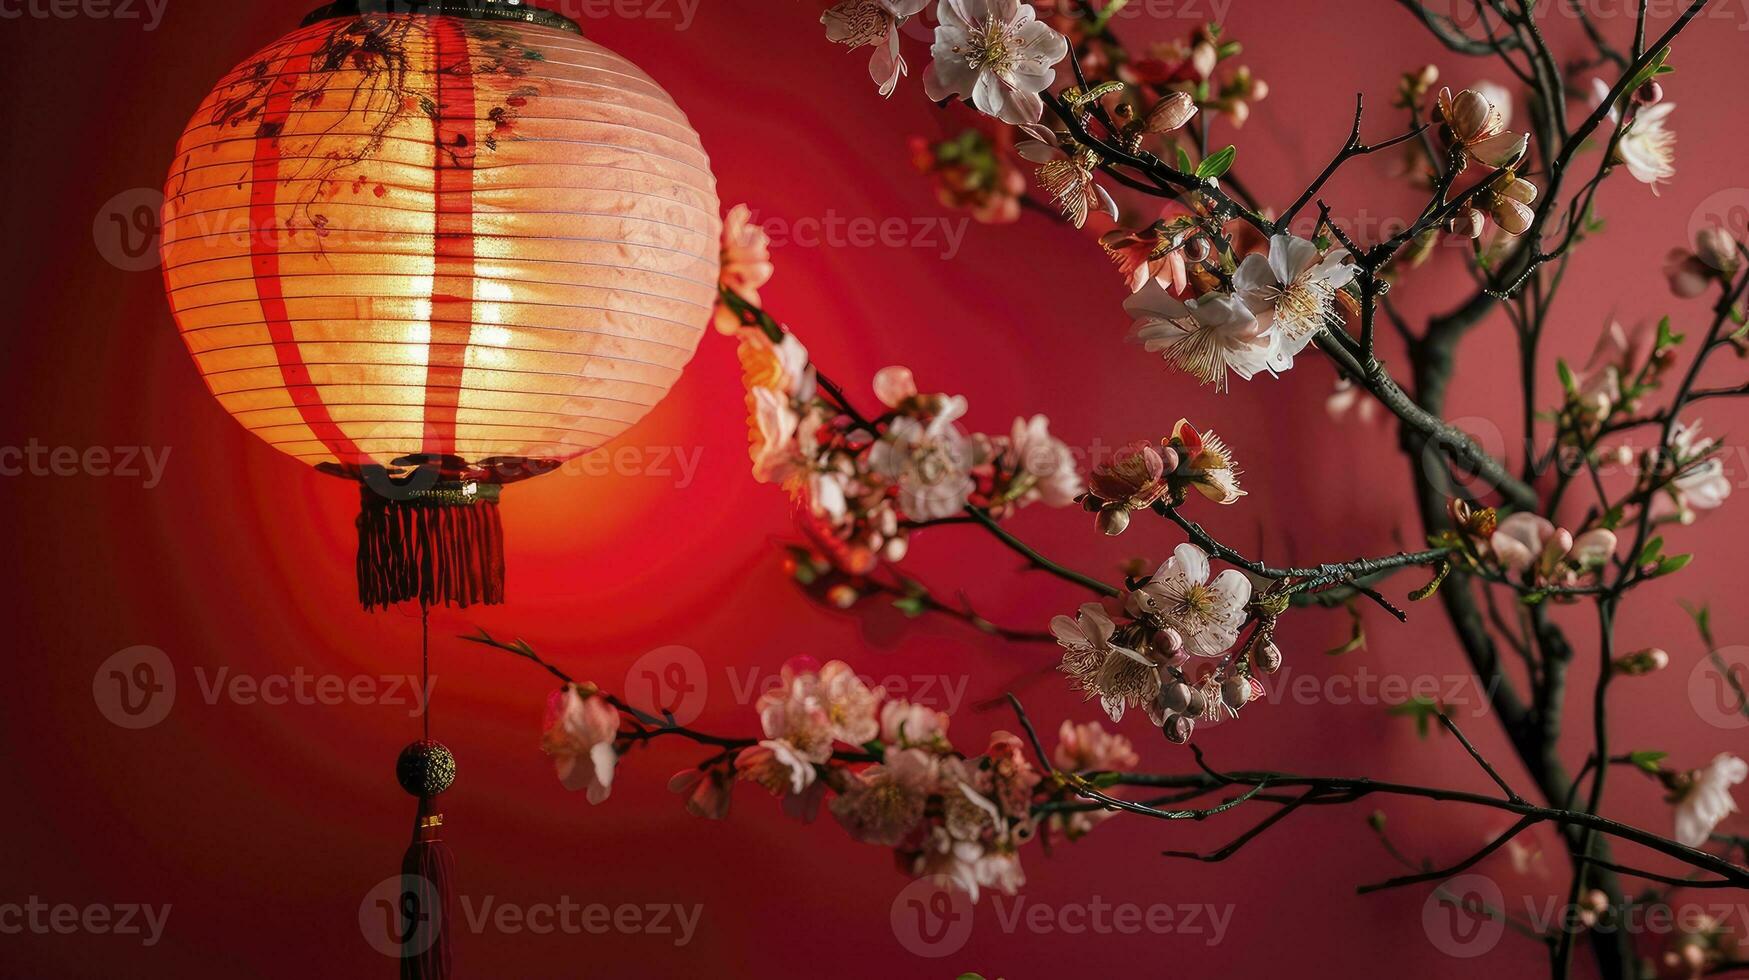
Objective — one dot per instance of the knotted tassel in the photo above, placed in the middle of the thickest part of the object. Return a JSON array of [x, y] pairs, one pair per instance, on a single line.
[[425, 769]]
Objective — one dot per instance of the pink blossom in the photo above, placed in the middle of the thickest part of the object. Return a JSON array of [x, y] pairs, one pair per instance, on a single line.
[[1088, 747], [905, 724], [706, 790], [884, 802], [778, 766], [746, 263], [579, 736]]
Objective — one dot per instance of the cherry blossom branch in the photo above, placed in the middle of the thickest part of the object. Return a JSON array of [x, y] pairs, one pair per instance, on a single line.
[[916, 592], [983, 518], [1722, 312], [1451, 36], [1440, 874], [1351, 148], [1526, 261], [645, 726], [1350, 789], [1314, 577]]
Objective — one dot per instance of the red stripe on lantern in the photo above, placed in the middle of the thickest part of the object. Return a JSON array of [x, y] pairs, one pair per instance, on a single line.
[[264, 255], [452, 281]]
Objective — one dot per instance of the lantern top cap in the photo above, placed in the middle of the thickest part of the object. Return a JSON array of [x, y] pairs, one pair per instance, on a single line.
[[516, 10]]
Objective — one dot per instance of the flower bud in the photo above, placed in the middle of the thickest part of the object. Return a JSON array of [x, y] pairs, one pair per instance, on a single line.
[[1167, 644], [1176, 697], [1467, 223], [889, 522], [1649, 93], [842, 596], [1197, 249], [1687, 273], [1203, 58], [1199, 703], [1235, 691], [1647, 661], [1267, 658], [1170, 113], [1716, 248], [1113, 520], [1178, 729], [895, 549]]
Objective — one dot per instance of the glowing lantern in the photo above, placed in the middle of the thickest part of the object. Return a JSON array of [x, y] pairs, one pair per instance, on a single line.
[[438, 252]]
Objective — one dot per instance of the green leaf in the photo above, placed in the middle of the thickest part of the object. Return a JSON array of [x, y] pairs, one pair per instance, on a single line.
[[1184, 163], [1667, 338], [805, 572], [1653, 67], [911, 605], [1422, 709], [1653, 551], [1357, 635], [1217, 165], [1647, 760], [1568, 383], [1672, 565], [1703, 620]]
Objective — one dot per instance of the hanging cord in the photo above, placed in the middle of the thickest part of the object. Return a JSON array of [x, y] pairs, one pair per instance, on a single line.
[[424, 770], [425, 662]]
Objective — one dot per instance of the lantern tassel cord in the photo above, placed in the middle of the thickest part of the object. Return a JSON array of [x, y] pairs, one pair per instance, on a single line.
[[426, 895]]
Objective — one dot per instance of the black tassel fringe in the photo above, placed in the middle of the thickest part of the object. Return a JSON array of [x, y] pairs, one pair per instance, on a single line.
[[441, 547]]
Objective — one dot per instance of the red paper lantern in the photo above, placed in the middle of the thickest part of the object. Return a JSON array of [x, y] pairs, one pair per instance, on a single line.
[[438, 252]]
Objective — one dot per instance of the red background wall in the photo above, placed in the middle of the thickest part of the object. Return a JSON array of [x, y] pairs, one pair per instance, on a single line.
[[264, 826]]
